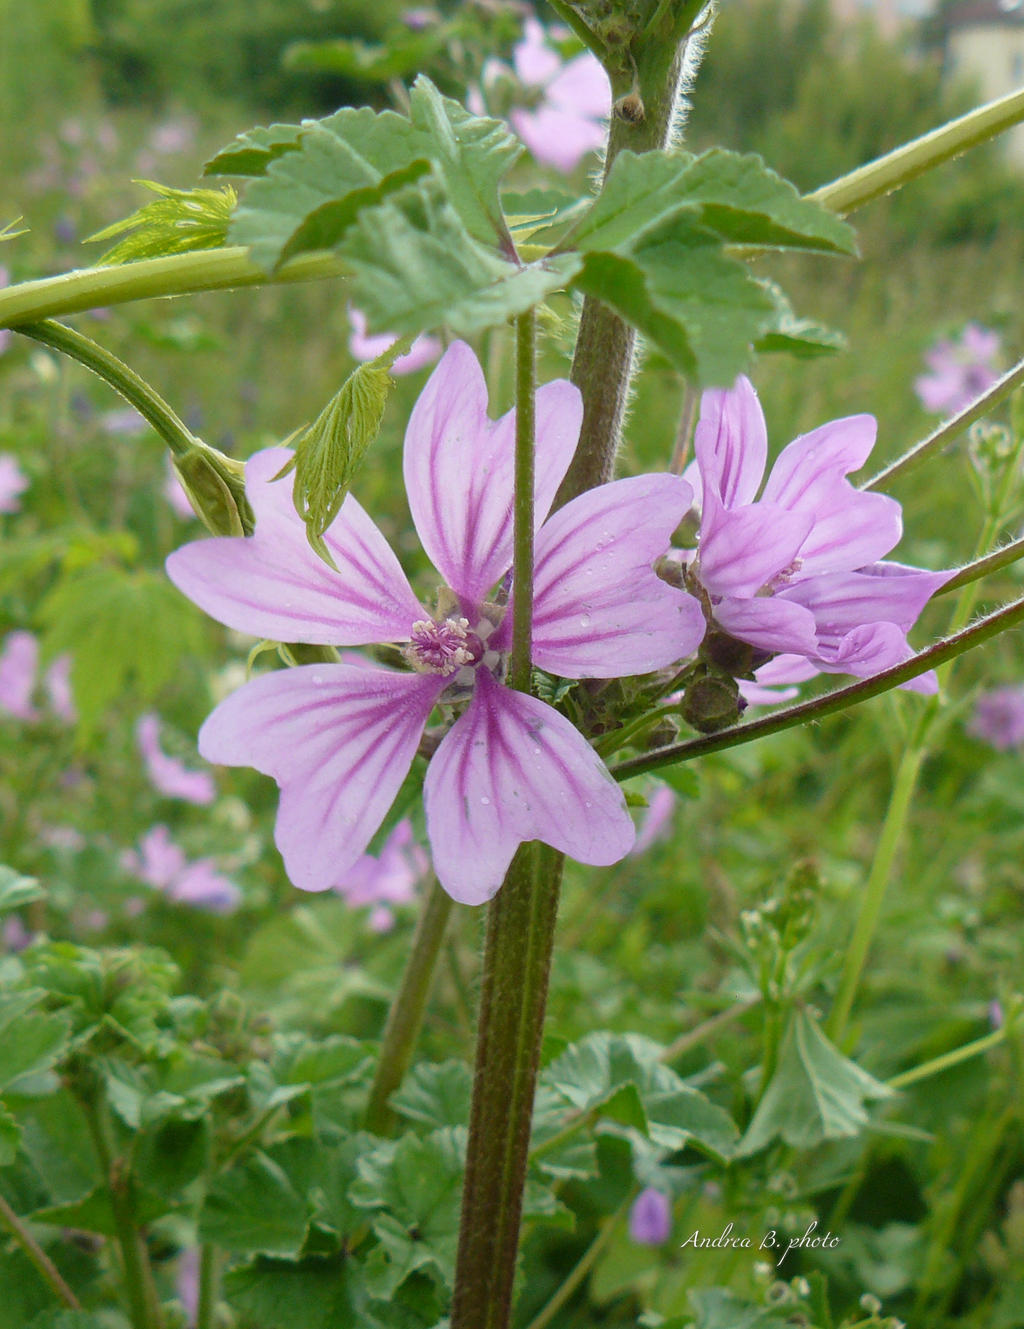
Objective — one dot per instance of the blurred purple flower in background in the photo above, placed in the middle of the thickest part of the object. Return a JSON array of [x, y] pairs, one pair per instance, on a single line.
[[175, 494], [656, 820], [575, 101], [999, 718], [424, 350], [187, 1282], [13, 482], [15, 934], [125, 421], [650, 1219], [19, 665], [960, 370], [389, 878], [795, 570], [161, 863], [169, 775]]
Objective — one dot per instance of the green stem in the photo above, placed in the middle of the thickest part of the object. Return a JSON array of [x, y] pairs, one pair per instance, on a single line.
[[46, 1267], [517, 961], [840, 699], [874, 892], [603, 361], [948, 1060], [946, 432], [587, 1261], [984, 567], [178, 274], [618, 738], [114, 372], [405, 1018], [522, 579], [215, 483], [586, 34], [209, 1287], [905, 163], [138, 1273], [703, 1031]]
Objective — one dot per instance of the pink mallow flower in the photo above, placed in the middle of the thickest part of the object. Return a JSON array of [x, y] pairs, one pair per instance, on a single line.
[[776, 681], [170, 776], [162, 864], [575, 101], [13, 482], [388, 879], [339, 738], [424, 350], [19, 665], [959, 370], [650, 1219], [998, 718], [795, 570]]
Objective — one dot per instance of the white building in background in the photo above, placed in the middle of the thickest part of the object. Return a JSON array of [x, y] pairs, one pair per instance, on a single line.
[[985, 43]]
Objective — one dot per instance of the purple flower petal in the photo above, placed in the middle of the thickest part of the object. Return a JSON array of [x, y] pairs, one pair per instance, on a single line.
[[201, 885], [999, 718], [513, 769], [557, 137], [650, 1218], [339, 741], [362, 346], [885, 592], [12, 483], [171, 777], [731, 443], [459, 471], [535, 62], [656, 821], [850, 528], [19, 661], [772, 681], [158, 860], [273, 585], [582, 87], [600, 611], [768, 623], [867, 650], [743, 549]]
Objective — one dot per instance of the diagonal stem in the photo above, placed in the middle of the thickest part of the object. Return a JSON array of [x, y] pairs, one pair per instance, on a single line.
[[46, 1267]]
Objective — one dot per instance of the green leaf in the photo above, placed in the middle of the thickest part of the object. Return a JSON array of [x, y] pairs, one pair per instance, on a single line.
[[253, 1209], [415, 266], [178, 222], [16, 890], [315, 179], [718, 1308], [815, 1094], [437, 1094], [94, 1212], [311, 1294], [620, 1076], [31, 1041], [549, 210], [329, 453], [682, 779], [735, 196], [802, 337], [121, 627], [416, 1187], [473, 153], [58, 1318], [404, 53], [250, 154], [700, 308]]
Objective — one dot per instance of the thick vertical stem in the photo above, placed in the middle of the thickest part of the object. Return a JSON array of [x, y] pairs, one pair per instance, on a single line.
[[603, 362], [406, 1016], [517, 961]]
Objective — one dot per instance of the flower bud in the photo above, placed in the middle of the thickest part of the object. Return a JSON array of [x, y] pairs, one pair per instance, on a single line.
[[215, 485], [711, 703]]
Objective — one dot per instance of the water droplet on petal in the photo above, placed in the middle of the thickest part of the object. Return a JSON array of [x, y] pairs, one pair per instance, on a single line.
[[585, 621], [486, 801]]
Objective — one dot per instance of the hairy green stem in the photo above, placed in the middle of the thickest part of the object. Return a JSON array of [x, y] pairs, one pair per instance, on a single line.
[[1000, 620], [949, 1059], [870, 908], [46, 1267], [906, 163], [405, 1018], [178, 274], [116, 374], [603, 361], [522, 579], [947, 431], [138, 1273], [517, 961], [983, 567]]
